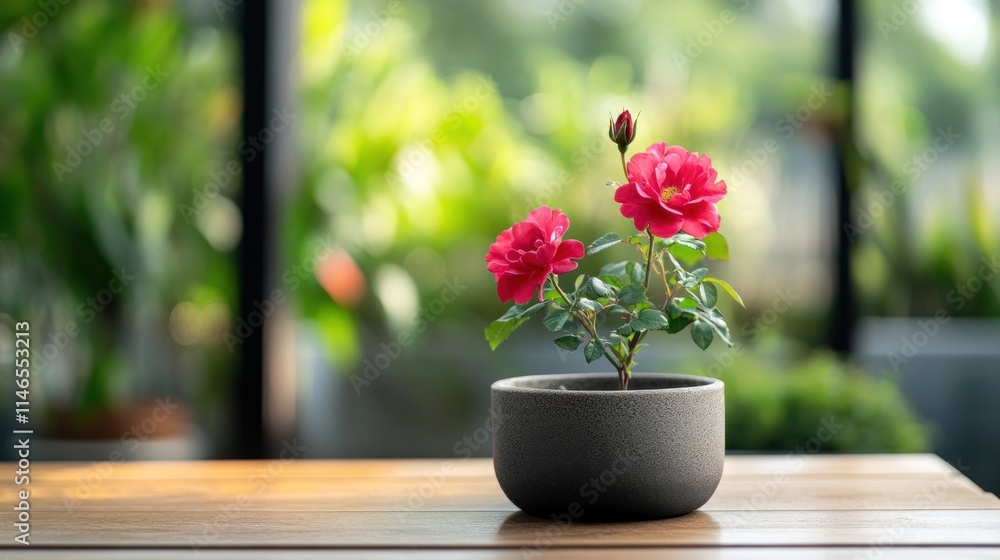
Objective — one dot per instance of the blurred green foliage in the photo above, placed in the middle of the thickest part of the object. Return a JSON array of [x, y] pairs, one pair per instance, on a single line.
[[434, 125], [774, 405], [415, 166], [418, 153], [112, 116], [927, 206]]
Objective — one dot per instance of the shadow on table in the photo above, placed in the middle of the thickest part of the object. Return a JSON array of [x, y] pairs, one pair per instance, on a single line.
[[529, 530]]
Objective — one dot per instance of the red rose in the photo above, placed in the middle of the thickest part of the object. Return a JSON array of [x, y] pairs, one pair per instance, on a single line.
[[524, 255], [671, 189]]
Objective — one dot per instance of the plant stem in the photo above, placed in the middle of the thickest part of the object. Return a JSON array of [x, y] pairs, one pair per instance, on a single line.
[[624, 169], [613, 356], [636, 338], [649, 257], [661, 273]]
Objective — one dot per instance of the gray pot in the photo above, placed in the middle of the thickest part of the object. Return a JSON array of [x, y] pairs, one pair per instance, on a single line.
[[574, 447]]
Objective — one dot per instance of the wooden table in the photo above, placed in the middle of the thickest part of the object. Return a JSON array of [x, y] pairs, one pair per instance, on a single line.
[[795, 506]]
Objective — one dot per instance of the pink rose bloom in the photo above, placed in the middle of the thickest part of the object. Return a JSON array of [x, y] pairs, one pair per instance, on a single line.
[[524, 255], [671, 189]]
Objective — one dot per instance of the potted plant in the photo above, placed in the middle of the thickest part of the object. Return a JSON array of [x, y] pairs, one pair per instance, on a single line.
[[622, 445]]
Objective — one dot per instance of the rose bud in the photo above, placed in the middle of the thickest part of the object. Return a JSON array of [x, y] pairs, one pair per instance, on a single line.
[[622, 130]]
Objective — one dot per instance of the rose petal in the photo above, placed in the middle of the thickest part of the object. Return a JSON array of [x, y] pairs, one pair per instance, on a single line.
[[691, 179], [526, 254]]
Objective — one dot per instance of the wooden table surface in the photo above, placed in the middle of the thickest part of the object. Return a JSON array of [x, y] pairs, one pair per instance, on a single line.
[[774, 506]]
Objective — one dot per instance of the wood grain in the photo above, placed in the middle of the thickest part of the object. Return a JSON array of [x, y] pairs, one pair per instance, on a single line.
[[293, 529], [480, 493], [923, 464], [855, 504]]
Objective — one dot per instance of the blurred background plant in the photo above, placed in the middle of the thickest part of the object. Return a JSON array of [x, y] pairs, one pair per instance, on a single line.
[[928, 118], [773, 405], [112, 116]]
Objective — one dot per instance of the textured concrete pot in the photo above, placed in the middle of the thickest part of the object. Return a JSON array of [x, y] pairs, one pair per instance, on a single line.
[[574, 447]]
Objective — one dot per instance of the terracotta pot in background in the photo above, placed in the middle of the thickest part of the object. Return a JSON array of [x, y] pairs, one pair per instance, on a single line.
[[142, 429]]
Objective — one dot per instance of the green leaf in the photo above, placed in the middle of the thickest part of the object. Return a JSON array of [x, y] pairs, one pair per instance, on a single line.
[[523, 310], [622, 346], [702, 333], [725, 286], [624, 331], [686, 303], [708, 294], [613, 281], [691, 243], [589, 305], [598, 288], [716, 246], [498, 331], [723, 332], [685, 254], [593, 351], [680, 317], [579, 282], [603, 242], [615, 269], [674, 310], [633, 293], [720, 326], [686, 240], [692, 279], [714, 318], [679, 324], [615, 310], [649, 320], [685, 247], [637, 272], [570, 342], [556, 320]]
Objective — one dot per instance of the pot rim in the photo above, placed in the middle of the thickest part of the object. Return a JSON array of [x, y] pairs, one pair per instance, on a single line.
[[708, 384]]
